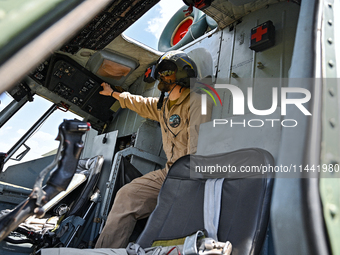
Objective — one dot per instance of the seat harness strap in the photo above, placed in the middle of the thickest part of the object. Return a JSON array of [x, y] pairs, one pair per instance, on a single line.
[[212, 206]]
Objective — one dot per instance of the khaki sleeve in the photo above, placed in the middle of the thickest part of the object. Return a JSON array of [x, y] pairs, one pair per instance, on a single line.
[[146, 107], [196, 119]]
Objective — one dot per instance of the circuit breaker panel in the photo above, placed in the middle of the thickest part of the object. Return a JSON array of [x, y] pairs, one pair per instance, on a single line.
[[80, 87]]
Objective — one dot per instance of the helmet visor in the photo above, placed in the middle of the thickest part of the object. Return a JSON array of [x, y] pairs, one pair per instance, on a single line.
[[166, 68]]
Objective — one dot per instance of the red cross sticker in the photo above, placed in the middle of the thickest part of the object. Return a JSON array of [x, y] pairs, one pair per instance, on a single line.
[[147, 73], [259, 33]]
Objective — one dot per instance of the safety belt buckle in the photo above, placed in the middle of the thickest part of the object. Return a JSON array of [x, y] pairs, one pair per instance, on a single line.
[[211, 247], [207, 246]]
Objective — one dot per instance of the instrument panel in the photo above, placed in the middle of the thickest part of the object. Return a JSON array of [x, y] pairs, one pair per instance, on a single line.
[[76, 85], [80, 87], [71, 85]]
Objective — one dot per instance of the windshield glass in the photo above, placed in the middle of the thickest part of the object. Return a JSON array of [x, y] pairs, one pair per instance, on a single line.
[[42, 142], [149, 27], [5, 100], [28, 11]]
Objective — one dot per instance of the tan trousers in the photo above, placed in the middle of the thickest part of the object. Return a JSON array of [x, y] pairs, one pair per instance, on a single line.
[[133, 201]]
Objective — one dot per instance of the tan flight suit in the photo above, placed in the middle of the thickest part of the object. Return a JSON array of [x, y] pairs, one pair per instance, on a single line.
[[138, 199]]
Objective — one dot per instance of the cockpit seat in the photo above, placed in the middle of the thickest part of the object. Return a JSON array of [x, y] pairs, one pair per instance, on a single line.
[[69, 204], [244, 208]]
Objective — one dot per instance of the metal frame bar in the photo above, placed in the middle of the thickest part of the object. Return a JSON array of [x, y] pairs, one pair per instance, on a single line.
[[114, 172], [10, 110]]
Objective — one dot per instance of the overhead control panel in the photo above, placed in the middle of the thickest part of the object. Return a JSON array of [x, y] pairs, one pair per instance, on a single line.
[[108, 24], [80, 87]]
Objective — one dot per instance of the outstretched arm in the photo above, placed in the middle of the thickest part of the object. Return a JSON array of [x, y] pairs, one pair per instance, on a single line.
[[144, 106], [108, 91]]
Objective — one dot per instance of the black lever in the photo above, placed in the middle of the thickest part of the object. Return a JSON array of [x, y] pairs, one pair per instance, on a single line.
[[64, 166]]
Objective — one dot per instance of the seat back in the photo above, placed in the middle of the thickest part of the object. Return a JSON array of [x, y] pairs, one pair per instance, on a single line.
[[245, 202]]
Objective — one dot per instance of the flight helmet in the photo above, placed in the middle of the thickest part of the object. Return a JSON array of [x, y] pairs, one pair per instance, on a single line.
[[178, 62]]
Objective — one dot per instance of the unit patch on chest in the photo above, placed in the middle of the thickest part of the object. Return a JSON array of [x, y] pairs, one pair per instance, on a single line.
[[174, 120]]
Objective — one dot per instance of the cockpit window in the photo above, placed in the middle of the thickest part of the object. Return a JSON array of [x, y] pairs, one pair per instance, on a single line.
[[149, 27], [42, 142], [5, 100], [28, 11]]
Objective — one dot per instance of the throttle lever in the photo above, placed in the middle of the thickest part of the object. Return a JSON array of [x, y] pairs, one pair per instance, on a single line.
[[63, 168]]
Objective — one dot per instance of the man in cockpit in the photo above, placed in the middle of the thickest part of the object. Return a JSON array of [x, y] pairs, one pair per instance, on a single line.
[[175, 112]]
